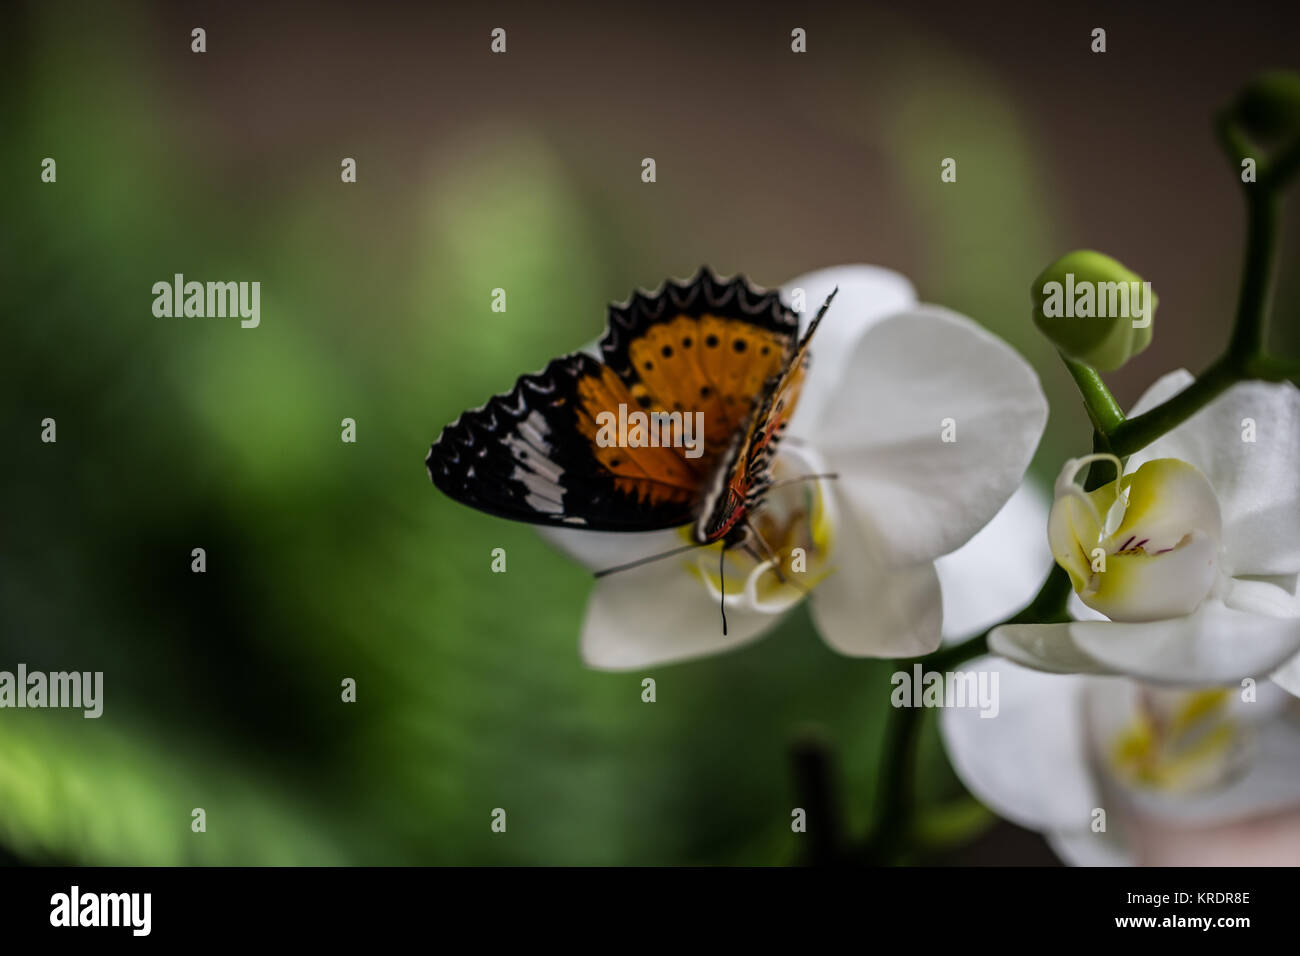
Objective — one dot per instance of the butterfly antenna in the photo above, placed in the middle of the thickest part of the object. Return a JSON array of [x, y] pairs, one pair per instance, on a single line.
[[772, 556], [768, 556], [640, 561], [812, 326], [722, 586], [829, 476]]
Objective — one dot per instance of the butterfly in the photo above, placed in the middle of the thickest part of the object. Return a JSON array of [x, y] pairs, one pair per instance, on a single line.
[[726, 350]]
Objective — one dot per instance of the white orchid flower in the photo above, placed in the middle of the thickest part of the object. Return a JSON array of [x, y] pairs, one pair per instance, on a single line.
[[1187, 568], [1117, 773], [997, 572], [889, 379]]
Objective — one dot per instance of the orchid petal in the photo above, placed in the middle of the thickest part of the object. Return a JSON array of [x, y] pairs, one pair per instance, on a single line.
[[1044, 647], [870, 608], [1216, 645], [1247, 442], [1030, 763], [1137, 586], [997, 572], [602, 550], [1288, 676], [909, 379], [1086, 848], [866, 295], [661, 614]]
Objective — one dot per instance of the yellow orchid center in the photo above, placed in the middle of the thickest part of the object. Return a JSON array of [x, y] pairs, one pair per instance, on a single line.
[[1143, 547], [1180, 741], [786, 553]]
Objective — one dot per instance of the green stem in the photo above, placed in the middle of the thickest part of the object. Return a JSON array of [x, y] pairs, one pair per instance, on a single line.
[[898, 765], [1247, 339], [1284, 164], [1138, 432], [1103, 411], [1267, 368], [1244, 356], [816, 792], [1047, 607], [897, 801], [1243, 359]]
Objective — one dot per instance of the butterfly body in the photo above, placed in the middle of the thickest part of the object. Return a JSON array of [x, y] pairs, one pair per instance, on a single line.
[[723, 349]]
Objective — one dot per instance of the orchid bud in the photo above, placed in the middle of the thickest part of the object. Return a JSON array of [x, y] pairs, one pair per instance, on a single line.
[[1142, 548], [1093, 309]]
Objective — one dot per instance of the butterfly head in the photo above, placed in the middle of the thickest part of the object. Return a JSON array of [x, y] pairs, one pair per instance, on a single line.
[[725, 521]]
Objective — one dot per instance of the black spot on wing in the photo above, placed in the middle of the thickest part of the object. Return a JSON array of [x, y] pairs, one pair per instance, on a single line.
[[734, 298]]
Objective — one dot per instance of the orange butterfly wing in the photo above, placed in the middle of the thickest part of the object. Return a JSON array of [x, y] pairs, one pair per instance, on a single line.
[[536, 453]]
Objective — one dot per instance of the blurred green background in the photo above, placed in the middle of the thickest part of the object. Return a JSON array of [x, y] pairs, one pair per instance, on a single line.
[[328, 560]]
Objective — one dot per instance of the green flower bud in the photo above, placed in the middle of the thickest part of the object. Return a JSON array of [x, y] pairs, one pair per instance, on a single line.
[[1268, 108], [1093, 309]]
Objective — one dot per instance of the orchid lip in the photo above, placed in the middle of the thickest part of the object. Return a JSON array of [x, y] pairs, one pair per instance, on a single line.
[[1156, 551], [785, 554]]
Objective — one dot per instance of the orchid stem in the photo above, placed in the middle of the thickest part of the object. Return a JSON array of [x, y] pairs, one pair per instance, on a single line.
[[896, 805], [1138, 432], [815, 790], [1103, 411], [1244, 357], [1248, 328]]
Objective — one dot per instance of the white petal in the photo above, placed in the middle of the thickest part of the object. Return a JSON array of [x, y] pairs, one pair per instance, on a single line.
[[867, 294], [1030, 762], [1080, 611], [1073, 532], [1216, 645], [600, 550], [1163, 389], [1264, 597], [660, 614], [1164, 499], [1288, 676], [1255, 480], [1085, 848], [1246, 595], [1044, 647], [905, 378], [867, 608], [997, 572], [1265, 778], [1152, 587]]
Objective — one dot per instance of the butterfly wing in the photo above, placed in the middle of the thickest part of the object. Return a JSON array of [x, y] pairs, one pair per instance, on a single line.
[[526, 456], [533, 453], [745, 473]]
